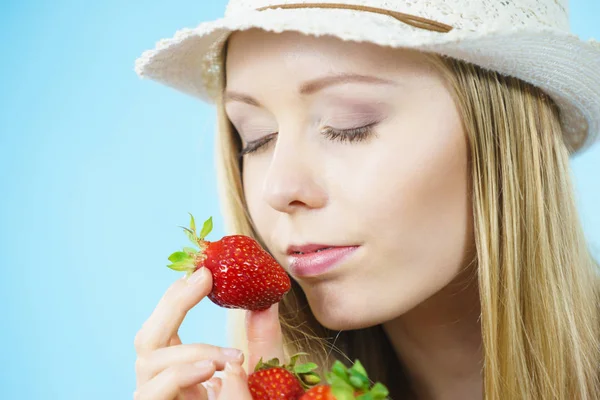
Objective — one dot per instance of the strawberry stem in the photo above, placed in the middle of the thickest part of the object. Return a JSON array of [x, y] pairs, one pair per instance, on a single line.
[[191, 259]]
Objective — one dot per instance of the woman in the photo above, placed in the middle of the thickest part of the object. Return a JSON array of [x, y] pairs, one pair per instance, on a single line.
[[421, 203]]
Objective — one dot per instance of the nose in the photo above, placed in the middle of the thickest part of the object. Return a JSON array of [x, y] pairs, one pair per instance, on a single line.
[[292, 181]]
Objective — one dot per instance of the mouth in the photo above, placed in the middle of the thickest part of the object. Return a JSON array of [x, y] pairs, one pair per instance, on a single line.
[[315, 259], [308, 248]]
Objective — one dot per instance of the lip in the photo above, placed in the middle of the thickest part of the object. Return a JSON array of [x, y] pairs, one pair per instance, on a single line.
[[307, 248], [313, 263]]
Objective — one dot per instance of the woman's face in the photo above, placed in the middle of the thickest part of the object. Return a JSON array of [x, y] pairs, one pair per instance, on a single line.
[[391, 199]]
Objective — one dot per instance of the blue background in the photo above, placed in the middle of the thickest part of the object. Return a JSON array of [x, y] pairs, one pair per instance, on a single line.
[[97, 170]]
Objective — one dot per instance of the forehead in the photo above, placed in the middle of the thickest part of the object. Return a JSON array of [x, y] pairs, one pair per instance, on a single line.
[[253, 54]]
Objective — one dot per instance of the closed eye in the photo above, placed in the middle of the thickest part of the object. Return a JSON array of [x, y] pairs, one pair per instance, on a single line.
[[349, 135], [341, 135], [255, 145]]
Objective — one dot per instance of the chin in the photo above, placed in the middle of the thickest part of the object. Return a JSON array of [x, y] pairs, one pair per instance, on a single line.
[[342, 306], [344, 322], [338, 312]]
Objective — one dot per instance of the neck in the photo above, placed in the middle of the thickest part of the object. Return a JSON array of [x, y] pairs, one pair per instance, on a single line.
[[439, 343]]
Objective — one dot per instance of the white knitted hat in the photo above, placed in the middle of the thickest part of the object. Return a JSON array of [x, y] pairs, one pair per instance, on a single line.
[[527, 39]]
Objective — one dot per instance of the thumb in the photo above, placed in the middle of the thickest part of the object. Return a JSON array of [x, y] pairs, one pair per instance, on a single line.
[[235, 384], [264, 336]]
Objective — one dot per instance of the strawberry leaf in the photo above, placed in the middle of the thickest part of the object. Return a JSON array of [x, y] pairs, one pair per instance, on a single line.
[[190, 250], [310, 378], [305, 368], [182, 266], [358, 380], [379, 391], [273, 362], [294, 358], [179, 256], [342, 391], [366, 396], [206, 228], [338, 369], [259, 365], [192, 223], [350, 383], [341, 381], [358, 367], [191, 235]]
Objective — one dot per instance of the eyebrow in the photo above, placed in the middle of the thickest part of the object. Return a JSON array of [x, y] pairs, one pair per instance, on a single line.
[[313, 86]]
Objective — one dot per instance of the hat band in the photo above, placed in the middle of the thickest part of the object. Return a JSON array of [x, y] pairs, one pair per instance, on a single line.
[[413, 20]]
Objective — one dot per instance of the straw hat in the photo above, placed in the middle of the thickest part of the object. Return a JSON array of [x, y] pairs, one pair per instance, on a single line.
[[527, 39]]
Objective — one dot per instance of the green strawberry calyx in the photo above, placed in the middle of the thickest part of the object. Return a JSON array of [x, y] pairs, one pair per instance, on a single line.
[[303, 372], [190, 258], [354, 383]]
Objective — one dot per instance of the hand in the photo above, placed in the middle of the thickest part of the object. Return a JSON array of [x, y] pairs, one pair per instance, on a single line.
[[233, 386], [264, 340], [166, 369]]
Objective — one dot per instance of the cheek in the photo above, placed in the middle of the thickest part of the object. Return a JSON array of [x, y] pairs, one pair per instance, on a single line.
[[416, 192], [418, 208], [415, 211], [263, 216], [423, 193], [252, 185]]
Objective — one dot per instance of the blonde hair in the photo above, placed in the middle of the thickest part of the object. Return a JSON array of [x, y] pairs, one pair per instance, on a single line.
[[537, 280]]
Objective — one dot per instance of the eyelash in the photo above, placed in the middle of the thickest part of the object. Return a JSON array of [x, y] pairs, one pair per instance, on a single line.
[[341, 135]]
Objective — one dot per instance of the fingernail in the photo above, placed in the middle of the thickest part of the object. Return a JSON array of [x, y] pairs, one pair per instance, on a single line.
[[197, 276], [233, 353], [204, 364]]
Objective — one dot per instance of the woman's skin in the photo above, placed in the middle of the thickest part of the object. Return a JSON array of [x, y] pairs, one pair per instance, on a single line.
[[400, 194], [166, 369]]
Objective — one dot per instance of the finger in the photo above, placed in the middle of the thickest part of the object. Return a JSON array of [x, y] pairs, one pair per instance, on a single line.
[[175, 340], [149, 366], [196, 392], [171, 381], [264, 335], [235, 384], [213, 387], [172, 308]]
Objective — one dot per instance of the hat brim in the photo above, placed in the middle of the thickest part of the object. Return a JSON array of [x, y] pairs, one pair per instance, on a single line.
[[564, 66]]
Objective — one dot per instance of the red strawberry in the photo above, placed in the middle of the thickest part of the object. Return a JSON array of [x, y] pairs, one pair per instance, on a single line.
[[244, 274], [271, 381], [321, 392], [347, 384]]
